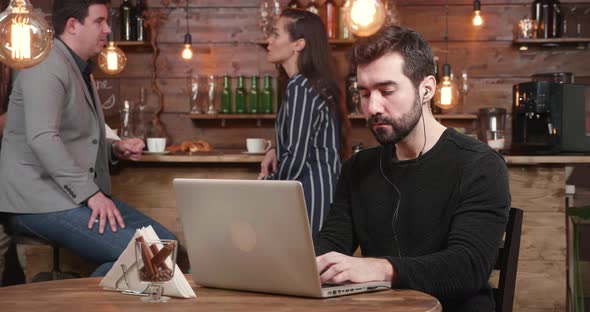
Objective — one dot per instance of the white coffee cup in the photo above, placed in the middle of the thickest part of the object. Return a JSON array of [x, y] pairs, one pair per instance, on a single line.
[[256, 145], [156, 145]]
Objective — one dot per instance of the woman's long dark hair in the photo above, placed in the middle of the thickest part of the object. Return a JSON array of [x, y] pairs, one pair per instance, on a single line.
[[315, 64]]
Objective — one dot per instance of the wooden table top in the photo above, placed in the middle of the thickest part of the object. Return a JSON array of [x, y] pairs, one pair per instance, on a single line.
[[84, 294]]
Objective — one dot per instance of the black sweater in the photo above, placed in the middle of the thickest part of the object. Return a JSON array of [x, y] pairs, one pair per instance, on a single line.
[[453, 208]]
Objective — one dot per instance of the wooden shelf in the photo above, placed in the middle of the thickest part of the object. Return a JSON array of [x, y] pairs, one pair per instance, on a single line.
[[341, 42], [436, 116], [456, 116], [581, 42], [272, 116], [145, 44], [231, 116], [332, 42]]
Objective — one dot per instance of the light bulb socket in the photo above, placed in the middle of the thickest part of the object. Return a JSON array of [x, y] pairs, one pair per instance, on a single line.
[[188, 39], [446, 70], [476, 5]]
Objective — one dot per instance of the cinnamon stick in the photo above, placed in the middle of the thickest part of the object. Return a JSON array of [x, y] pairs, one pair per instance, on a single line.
[[161, 256], [147, 257], [154, 250]]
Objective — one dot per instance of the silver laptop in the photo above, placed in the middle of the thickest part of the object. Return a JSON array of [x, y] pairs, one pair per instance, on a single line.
[[253, 235]]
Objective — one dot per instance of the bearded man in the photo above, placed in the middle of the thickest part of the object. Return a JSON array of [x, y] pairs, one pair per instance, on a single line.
[[428, 207]]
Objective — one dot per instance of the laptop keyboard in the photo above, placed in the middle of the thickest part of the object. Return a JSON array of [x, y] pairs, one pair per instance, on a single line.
[[328, 285]]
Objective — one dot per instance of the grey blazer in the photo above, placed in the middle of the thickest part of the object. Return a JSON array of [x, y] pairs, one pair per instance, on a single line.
[[54, 152]]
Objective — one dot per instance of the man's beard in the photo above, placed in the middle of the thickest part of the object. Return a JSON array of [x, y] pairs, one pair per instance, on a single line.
[[400, 128]]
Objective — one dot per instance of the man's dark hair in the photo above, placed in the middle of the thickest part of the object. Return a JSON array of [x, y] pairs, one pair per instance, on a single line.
[[416, 53], [65, 9]]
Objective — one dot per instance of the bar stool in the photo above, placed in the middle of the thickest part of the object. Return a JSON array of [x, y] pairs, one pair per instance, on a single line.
[[56, 273]]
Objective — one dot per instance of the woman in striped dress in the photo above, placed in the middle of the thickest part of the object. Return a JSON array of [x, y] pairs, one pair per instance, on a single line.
[[311, 126]]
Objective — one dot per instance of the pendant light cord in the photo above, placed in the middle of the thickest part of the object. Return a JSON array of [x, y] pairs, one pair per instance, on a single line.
[[446, 37], [187, 29]]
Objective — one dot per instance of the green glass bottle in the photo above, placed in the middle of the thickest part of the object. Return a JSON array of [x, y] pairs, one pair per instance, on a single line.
[[266, 99], [226, 96], [254, 97], [240, 96]]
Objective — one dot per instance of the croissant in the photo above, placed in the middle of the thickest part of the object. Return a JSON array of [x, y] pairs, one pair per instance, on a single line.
[[203, 146], [191, 146], [175, 148]]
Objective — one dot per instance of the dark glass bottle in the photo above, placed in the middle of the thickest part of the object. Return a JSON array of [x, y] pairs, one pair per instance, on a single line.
[[349, 85], [266, 100], [226, 96], [139, 27], [254, 97], [543, 21], [536, 12], [556, 23], [240, 96], [355, 98], [125, 13]]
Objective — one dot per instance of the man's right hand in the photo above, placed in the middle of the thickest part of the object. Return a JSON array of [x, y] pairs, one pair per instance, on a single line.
[[269, 164], [102, 208]]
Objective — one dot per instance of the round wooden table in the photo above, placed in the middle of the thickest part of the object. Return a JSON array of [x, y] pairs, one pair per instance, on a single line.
[[84, 294]]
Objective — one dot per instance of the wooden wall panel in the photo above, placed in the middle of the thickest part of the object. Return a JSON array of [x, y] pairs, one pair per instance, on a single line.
[[130, 184], [205, 25], [543, 237], [208, 59], [197, 3], [498, 22], [538, 188], [225, 35], [540, 286], [503, 59]]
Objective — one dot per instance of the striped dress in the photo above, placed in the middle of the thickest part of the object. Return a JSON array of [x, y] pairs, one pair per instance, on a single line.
[[308, 140]]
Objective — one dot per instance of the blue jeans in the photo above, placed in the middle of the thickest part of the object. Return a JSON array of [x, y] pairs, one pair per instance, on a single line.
[[69, 229]]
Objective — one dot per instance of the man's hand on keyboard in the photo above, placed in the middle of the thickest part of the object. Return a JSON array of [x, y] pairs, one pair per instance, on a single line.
[[338, 268]]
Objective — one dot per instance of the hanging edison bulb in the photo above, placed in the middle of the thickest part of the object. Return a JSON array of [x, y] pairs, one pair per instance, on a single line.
[[112, 59], [448, 94], [25, 36], [477, 19], [187, 52], [364, 17]]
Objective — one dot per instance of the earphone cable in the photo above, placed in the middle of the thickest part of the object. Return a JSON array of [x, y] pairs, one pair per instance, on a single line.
[[395, 213]]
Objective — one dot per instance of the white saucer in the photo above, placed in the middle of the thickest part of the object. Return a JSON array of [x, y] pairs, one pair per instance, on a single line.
[[155, 153], [253, 153]]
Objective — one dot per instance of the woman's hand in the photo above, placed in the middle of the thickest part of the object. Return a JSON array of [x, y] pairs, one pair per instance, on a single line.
[[269, 163]]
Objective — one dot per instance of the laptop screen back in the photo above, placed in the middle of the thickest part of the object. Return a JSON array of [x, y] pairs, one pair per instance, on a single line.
[[248, 235]]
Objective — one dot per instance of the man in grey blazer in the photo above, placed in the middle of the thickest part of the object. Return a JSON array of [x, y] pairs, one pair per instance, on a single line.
[[54, 162]]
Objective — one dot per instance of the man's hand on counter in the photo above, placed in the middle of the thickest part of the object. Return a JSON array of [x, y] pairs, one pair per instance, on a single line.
[[269, 164], [128, 149]]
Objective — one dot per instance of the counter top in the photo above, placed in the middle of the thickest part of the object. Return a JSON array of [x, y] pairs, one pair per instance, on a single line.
[[546, 159], [241, 157], [204, 157]]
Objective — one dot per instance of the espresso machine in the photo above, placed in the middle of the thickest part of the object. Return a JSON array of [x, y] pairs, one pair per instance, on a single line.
[[550, 117]]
